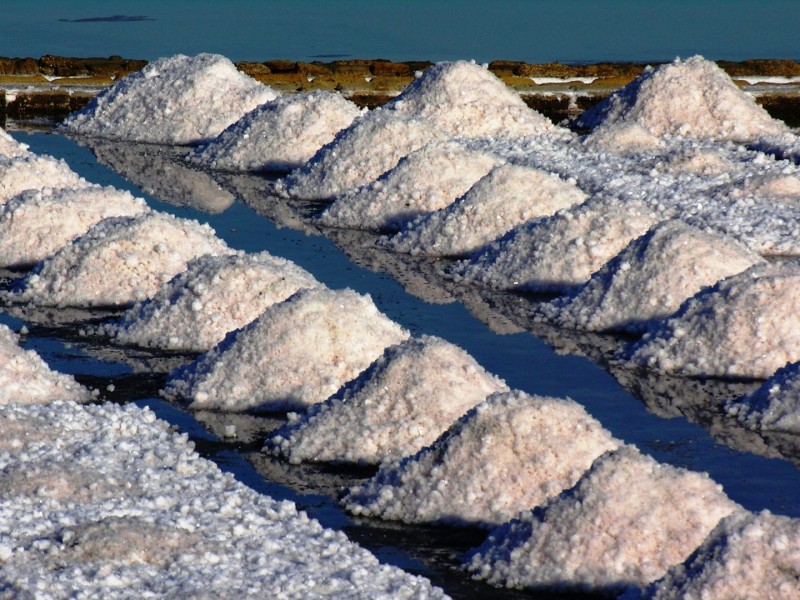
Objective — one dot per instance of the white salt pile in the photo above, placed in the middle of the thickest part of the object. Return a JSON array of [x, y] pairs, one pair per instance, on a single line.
[[506, 197], [626, 522], [9, 147], [747, 325], [774, 406], [30, 171], [36, 223], [426, 180], [280, 135], [297, 353], [746, 556], [119, 261], [403, 402], [650, 279], [174, 100], [213, 296], [692, 98], [624, 138], [508, 454]]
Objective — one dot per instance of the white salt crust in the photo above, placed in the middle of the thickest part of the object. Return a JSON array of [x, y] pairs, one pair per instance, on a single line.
[[626, 522], [173, 100], [297, 353], [36, 223], [31, 171], [650, 279], [747, 325], [280, 135], [773, 406], [119, 261], [213, 296], [9, 147], [401, 403], [504, 198], [426, 180], [508, 454]]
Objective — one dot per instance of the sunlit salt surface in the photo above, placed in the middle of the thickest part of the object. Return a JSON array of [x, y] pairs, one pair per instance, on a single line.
[[747, 325], [626, 522], [280, 135], [173, 100], [9, 147], [119, 261], [775, 405], [403, 402], [31, 171], [36, 223], [297, 353], [508, 454]]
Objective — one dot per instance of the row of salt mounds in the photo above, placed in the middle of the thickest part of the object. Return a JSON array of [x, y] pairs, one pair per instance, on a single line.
[[173, 100], [9, 147], [426, 180], [506, 455], [747, 325], [507, 196], [135, 512], [692, 98], [747, 555], [626, 522], [213, 296], [775, 405], [280, 135], [557, 253], [650, 279], [119, 261], [449, 99], [297, 353], [31, 171], [25, 378], [403, 402], [36, 223]]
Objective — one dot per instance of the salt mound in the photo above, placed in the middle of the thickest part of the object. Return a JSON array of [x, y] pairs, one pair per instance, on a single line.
[[36, 223], [747, 325], [623, 138], [775, 405], [404, 401], [426, 180], [9, 147], [626, 522], [692, 98], [26, 379], [119, 261], [508, 454], [506, 197], [213, 296], [174, 100], [280, 135], [651, 278], [297, 353], [31, 171]]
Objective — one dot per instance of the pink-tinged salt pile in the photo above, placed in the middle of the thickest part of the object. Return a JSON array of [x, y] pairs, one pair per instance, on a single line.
[[773, 406], [30, 171], [426, 180], [297, 353], [626, 522], [650, 279], [403, 402], [9, 147], [506, 197], [280, 135], [213, 296], [173, 100], [36, 223], [747, 325], [508, 454], [119, 261]]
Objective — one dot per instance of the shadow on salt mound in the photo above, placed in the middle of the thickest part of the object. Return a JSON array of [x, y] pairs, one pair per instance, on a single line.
[[508, 454], [26, 379], [297, 353], [747, 326], [748, 555], [280, 135], [31, 171], [36, 223], [626, 522], [401, 403], [213, 296], [650, 279], [173, 100], [9, 147], [426, 180], [774, 406], [505, 197], [784, 146], [692, 98], [119, 261]]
